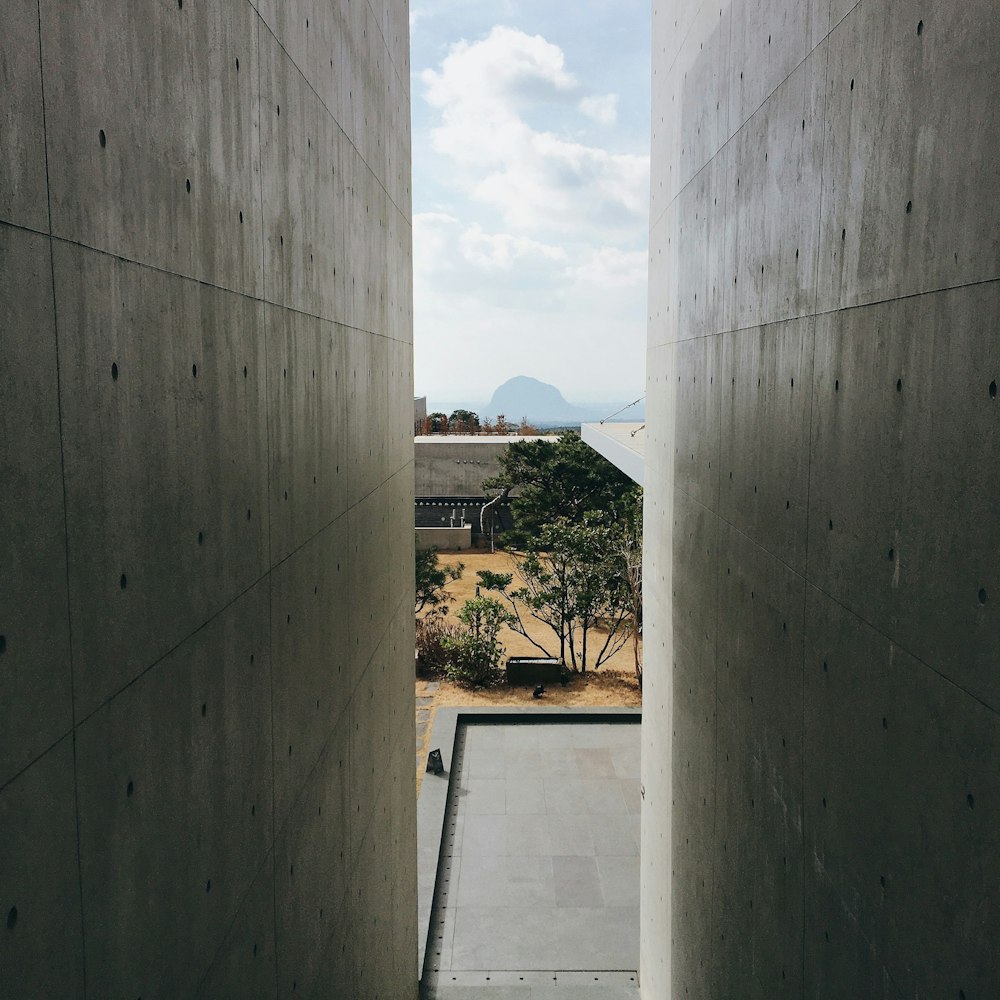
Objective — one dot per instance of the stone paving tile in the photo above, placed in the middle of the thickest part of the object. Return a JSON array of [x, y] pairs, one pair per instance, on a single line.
[[545, 846]]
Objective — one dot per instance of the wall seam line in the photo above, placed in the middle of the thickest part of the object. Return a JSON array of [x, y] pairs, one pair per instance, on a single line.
[[846, 607], [65, 504]]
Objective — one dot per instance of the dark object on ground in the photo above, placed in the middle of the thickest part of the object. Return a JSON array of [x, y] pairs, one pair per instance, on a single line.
[[435, 765], [539, 691], [533, 669]]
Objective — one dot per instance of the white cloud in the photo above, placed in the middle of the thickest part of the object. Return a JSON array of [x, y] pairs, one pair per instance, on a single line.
[[432, 238], [603, 110], [537, 179], [529, 253], [609, 267], [491, 251]]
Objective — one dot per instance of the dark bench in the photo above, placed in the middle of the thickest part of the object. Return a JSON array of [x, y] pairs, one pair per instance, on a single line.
[[523, 670]]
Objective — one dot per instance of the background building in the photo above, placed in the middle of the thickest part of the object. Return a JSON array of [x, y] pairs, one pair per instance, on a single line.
[[822, 595], [206, 700]]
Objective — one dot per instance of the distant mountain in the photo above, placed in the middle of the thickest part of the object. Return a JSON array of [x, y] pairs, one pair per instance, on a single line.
[[539, 402], [542, 404]]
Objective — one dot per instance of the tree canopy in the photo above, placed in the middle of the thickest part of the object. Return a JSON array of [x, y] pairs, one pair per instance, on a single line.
[[431, 579], [565, 478]]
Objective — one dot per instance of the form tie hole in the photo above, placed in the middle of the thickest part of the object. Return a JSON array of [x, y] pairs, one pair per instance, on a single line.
[[885, 722], [920, 31], [836, 385], [102, 138], [891, 555], [114, 371], [129, 789], [909, 207], [204, 710], [983, 596], [187, 185], [12, 918], [843, 234], [993, 390], [970, 800], [194, 371], [899, 385], [123, 581], [237, 65], [852, 84], [208, 886], [241, 218], [201, 538]]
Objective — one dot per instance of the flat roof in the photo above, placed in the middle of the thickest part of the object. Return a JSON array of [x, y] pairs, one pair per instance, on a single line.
[[623, 445], [529, 855]]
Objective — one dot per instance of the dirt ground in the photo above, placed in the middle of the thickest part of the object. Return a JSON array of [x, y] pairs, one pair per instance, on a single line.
[[614, 684], [461, 590]]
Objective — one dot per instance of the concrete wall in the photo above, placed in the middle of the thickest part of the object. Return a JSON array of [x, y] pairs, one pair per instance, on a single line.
[[206, 702], [444, 539], [822, 588], [456, 465]]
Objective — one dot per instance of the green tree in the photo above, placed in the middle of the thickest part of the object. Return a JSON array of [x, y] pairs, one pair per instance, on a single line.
[[570, 582], [463, 422], [437, 422], [626, 554], [431, 579], [475, 656], [561, 479]]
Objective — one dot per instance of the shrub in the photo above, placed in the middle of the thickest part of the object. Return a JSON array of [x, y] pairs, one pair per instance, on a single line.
[[475, 653], [432, 633]]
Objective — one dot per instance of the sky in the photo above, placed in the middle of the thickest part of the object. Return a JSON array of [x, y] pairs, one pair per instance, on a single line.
[[530, 196]]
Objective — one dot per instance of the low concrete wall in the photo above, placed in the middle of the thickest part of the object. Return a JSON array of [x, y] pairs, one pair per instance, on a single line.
[[457, 464], [445, 539]]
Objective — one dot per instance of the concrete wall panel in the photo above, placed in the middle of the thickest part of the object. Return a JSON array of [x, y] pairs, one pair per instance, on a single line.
[[906, 111], [23, 195], [174, 361], [820, 523], [764, 470], [307, 426], [164, 424], [310, 676], [41, 948], [697, 441], [35, 672], [929, 786], [170, 195], [173, 812], [244, 964], [908, 385], [311, 866]]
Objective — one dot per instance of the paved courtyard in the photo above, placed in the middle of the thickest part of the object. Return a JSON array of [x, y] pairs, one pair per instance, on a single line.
[[539, 886]]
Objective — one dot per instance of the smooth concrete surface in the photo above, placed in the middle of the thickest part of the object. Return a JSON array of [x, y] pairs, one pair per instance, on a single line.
[[822, 601], [445, 539], [455, 465], [206, 689], [529, 868], [623, 445]]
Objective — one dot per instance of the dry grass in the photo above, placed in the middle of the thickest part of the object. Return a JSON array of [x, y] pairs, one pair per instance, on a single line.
[[613, 684]]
